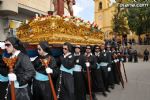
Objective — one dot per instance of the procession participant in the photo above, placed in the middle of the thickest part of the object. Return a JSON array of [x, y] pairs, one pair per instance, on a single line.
[[79, 86], [114, 66], [23, 70], [105, 64], [92, 61], [125, 53], [3, 73], [146, 55], [118, 60], [41, 86], [66, 80], [98, 80], [130, 56], [135, 56], [110, 72]]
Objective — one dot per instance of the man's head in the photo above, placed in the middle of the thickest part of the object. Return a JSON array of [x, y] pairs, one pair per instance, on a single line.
[[12, 44], [97, 48], [43, 48], [88, 49], [77, 49], [102, 47], [67, 47], [108, 47]]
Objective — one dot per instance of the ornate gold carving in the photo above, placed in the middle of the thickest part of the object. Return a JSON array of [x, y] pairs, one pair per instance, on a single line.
[[56, 29]]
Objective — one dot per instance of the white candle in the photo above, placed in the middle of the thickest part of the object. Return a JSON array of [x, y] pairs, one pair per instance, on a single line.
[[36, 16]]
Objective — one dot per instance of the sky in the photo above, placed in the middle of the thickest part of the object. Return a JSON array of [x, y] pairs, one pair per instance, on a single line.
[[85, 9]]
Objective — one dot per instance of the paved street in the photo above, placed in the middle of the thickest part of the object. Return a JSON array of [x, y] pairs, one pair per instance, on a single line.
[[138, 86]]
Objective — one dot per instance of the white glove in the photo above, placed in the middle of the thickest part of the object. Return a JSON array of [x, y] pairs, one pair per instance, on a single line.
[[77, 61], [12, 77], [49, 70], [122, 59], [87, 64], [109, 69], [115, 60]]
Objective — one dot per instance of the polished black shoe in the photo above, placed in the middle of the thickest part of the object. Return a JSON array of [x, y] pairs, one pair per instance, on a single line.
[[112, 86], [94, 97], [108, 90], [118, 83], [104, 94]]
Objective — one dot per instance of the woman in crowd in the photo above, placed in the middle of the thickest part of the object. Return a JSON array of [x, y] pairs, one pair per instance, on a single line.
[[41, 86], [23, 71]]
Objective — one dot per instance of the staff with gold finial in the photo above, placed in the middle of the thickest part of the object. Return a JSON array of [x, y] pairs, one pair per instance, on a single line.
[[48, 70], [89, 79], [21, 70], [88, 62], [12, 77]]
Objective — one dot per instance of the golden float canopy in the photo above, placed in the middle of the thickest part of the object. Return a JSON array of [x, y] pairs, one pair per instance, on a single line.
[[57, 30]]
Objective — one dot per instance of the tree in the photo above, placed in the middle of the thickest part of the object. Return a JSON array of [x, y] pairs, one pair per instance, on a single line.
[[120, 24], [139, 18]]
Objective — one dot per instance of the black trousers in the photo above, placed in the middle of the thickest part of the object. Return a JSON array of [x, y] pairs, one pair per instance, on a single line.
[[130, 58], [21, 94], [79, 86], [67, 87], [105, 76], [135, 59], [3, 86], [111, 77], [97, 81], [145, 58], [115, 73], [42, 90]]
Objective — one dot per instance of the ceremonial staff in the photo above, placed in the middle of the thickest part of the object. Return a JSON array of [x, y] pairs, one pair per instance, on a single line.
[[118, 69], [10, 63], [124, 70], [46, 62], [88, 76]]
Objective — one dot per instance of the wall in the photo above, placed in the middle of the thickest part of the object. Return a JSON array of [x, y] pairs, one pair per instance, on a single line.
[[40, 5], [104, 17], [2, 34], [140, 49], [9, 5]]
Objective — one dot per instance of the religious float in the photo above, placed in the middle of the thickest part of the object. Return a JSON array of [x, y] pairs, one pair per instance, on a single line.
[[57, 30]]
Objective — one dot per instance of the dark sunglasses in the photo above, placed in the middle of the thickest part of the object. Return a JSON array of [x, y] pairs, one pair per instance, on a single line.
[[88, 48], [65, 49], [7, 45], [38, 49], [77, 47]]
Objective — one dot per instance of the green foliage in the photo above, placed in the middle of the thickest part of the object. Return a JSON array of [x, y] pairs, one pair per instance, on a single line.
[[139, 18], [119, 22]]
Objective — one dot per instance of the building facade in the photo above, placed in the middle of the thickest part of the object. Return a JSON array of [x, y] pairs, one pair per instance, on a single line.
[[14, 12], [104, 13]]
